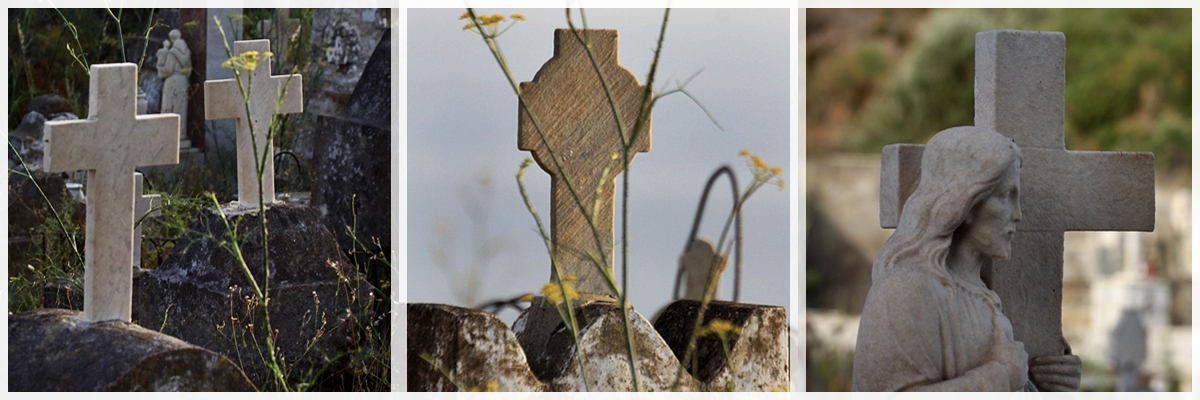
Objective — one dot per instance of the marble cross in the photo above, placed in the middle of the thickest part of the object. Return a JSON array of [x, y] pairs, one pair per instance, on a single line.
[[1019, 87], [223, 99], [146, 206], [109, 144], [570, 106]]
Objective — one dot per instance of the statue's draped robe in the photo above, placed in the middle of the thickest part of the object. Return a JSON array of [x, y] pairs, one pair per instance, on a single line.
[[920, 334]]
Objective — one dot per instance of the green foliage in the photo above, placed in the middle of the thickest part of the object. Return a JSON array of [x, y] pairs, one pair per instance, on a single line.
[[50, 256], [49, 51], [827, 369], [1128, 80], [933, 87]]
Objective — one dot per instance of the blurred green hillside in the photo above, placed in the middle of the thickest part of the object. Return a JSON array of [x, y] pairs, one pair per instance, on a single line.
[[876, 77]]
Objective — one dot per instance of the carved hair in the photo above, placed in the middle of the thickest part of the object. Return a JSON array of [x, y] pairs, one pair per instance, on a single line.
[[960, 167]]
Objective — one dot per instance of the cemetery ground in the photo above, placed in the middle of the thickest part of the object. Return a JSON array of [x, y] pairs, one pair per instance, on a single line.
[[474, 243], [1125, 296], [200, 274]]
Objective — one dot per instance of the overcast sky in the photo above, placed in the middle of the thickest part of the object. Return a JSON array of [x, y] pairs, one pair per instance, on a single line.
[[461, 130]]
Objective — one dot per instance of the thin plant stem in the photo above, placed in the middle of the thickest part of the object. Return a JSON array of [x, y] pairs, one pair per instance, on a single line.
[[57, 218], [259, 161], [570, 317], [709, 286]]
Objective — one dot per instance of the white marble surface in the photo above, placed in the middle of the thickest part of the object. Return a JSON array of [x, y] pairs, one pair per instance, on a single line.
[[268, 95], [109, 144]]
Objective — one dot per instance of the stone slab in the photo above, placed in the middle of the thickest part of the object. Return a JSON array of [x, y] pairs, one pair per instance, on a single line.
[[57, 350], [475, 347], [352, 158], [758, 356], [321, 308], [553, 359]]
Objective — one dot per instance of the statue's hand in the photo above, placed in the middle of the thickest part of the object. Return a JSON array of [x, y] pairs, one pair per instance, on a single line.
[[1056, 373], [1009, 353]]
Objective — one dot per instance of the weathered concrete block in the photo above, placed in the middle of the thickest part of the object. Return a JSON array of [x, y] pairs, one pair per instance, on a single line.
[[554, 360], [55, 350], [475, 347], [320, 307], [758, 352]]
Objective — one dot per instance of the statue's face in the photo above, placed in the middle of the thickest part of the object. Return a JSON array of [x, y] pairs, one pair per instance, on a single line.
[[993, 221]]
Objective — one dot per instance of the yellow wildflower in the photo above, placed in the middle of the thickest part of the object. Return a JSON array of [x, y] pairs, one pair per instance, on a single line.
[[518, 17], [758, 162], [527, 297], [719, 327], [554, 293], [247, 61], [776, 170], [466, 14], [744, 152]]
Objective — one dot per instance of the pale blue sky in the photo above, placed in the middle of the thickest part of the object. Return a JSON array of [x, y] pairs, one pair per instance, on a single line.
[[462, 123]]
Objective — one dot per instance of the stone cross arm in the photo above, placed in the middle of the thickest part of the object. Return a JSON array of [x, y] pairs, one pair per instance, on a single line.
[[1070, 190]]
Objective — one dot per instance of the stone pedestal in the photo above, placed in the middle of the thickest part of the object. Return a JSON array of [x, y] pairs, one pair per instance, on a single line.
[[55, 350], [758, 352], [321, 309], [553, 359], [474, 347]]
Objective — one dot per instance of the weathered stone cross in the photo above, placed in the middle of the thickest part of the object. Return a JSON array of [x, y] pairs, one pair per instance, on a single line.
[[146, 206], [569, 103], [1019, 85], [223, 99], [109, 144]]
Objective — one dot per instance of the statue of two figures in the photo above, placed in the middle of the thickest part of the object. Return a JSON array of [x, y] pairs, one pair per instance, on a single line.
[[931, 322], [174, 65]]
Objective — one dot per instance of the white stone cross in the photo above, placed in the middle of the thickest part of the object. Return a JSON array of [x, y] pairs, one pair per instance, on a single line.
[[146, 206], [1019, 85], [569, 103], [223, 99], [109, 144]]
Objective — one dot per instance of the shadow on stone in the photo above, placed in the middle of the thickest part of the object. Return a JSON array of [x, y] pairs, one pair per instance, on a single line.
[[758, 351]]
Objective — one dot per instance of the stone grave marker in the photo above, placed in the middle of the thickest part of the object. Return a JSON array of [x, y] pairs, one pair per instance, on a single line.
[[1129, 351], [1019, 87], [53, 350], [569, 104], [269, 95], [352, 157], [351, 165], [695, 264], [146, 206], [109, 144]]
